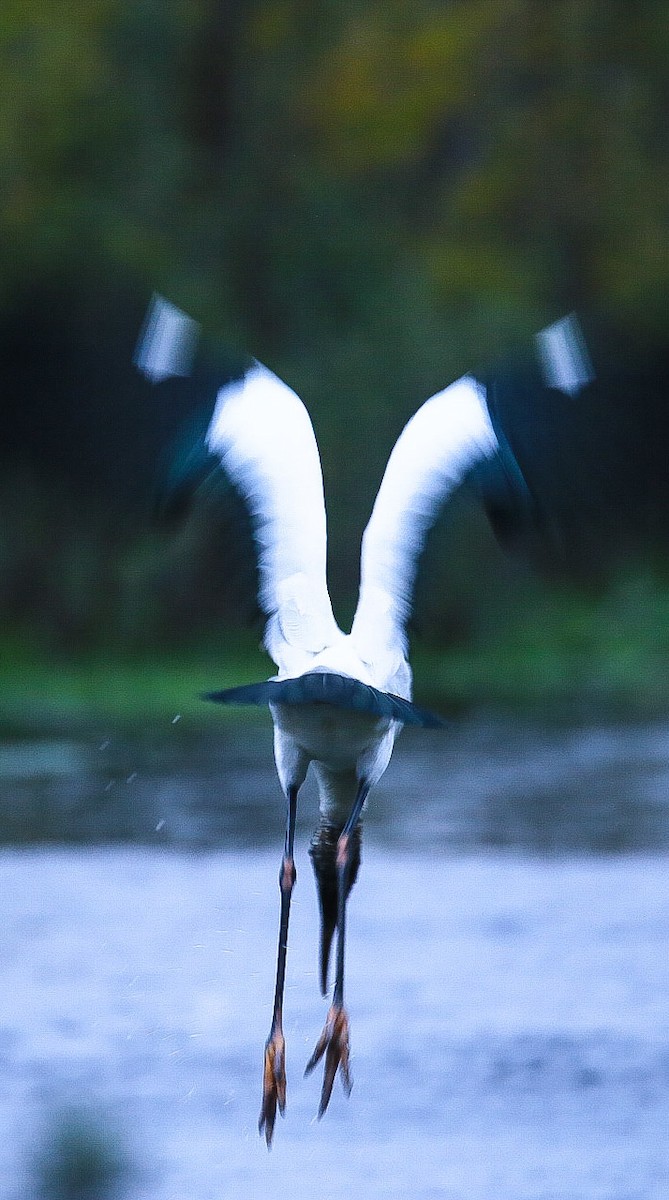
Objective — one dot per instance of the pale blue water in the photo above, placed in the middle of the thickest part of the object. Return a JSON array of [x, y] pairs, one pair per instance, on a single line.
[[508, 976]]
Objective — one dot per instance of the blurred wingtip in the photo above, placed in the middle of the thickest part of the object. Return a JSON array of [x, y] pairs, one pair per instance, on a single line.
[[167, 341], [564, 357]]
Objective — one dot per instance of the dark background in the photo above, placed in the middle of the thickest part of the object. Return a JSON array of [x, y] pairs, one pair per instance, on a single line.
[[371, 198]]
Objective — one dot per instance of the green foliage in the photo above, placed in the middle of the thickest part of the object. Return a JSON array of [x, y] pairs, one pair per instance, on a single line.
[[369, 196], [92, 147], [561, 651], [284, 163], [546, 651], [82, 1159]]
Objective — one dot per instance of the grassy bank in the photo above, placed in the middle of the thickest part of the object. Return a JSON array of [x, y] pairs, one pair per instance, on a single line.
[[590, 656], [42, 689]]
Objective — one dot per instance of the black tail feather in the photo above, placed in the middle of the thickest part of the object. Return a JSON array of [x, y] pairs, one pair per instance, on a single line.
[[326, 687]]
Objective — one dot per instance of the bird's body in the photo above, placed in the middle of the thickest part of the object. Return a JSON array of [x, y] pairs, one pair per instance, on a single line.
[[339, 700], [342, 744], [265, 440]]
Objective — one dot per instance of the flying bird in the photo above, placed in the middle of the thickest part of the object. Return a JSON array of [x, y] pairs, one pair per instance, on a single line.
[[338, 700], [546, 445], [563, 442]]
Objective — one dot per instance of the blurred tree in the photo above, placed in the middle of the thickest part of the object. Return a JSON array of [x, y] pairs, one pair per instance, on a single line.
[[372, 197]]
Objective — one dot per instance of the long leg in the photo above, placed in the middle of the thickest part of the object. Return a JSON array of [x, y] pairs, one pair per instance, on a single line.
[[323, 854], [274, 1075], [333, 1042]]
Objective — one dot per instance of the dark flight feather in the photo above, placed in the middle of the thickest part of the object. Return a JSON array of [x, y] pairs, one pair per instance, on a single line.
[[327, 687]]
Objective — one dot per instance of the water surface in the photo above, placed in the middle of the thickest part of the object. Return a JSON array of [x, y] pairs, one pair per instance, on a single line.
[[512, 785], [507, 971]]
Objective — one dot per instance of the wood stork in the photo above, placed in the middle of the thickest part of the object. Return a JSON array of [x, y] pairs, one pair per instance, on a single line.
[[564, 443], [339, 699]]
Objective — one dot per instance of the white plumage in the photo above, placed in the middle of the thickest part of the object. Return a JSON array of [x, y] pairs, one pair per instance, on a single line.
[[337, 706], [263, 434], [442, 441], [264, 437]]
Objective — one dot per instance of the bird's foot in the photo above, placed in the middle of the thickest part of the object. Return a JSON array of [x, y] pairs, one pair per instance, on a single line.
[[274, 1084], [333, 1043]]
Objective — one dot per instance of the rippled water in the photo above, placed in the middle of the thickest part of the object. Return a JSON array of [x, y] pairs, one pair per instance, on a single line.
[[507, 970], [600, 789]]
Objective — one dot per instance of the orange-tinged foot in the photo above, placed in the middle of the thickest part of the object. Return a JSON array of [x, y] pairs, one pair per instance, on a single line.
[[333, 1043], [274, 1084]]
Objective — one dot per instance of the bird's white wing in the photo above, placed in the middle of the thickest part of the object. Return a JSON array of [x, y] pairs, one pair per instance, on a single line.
[[266, 443], [444, 439]]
